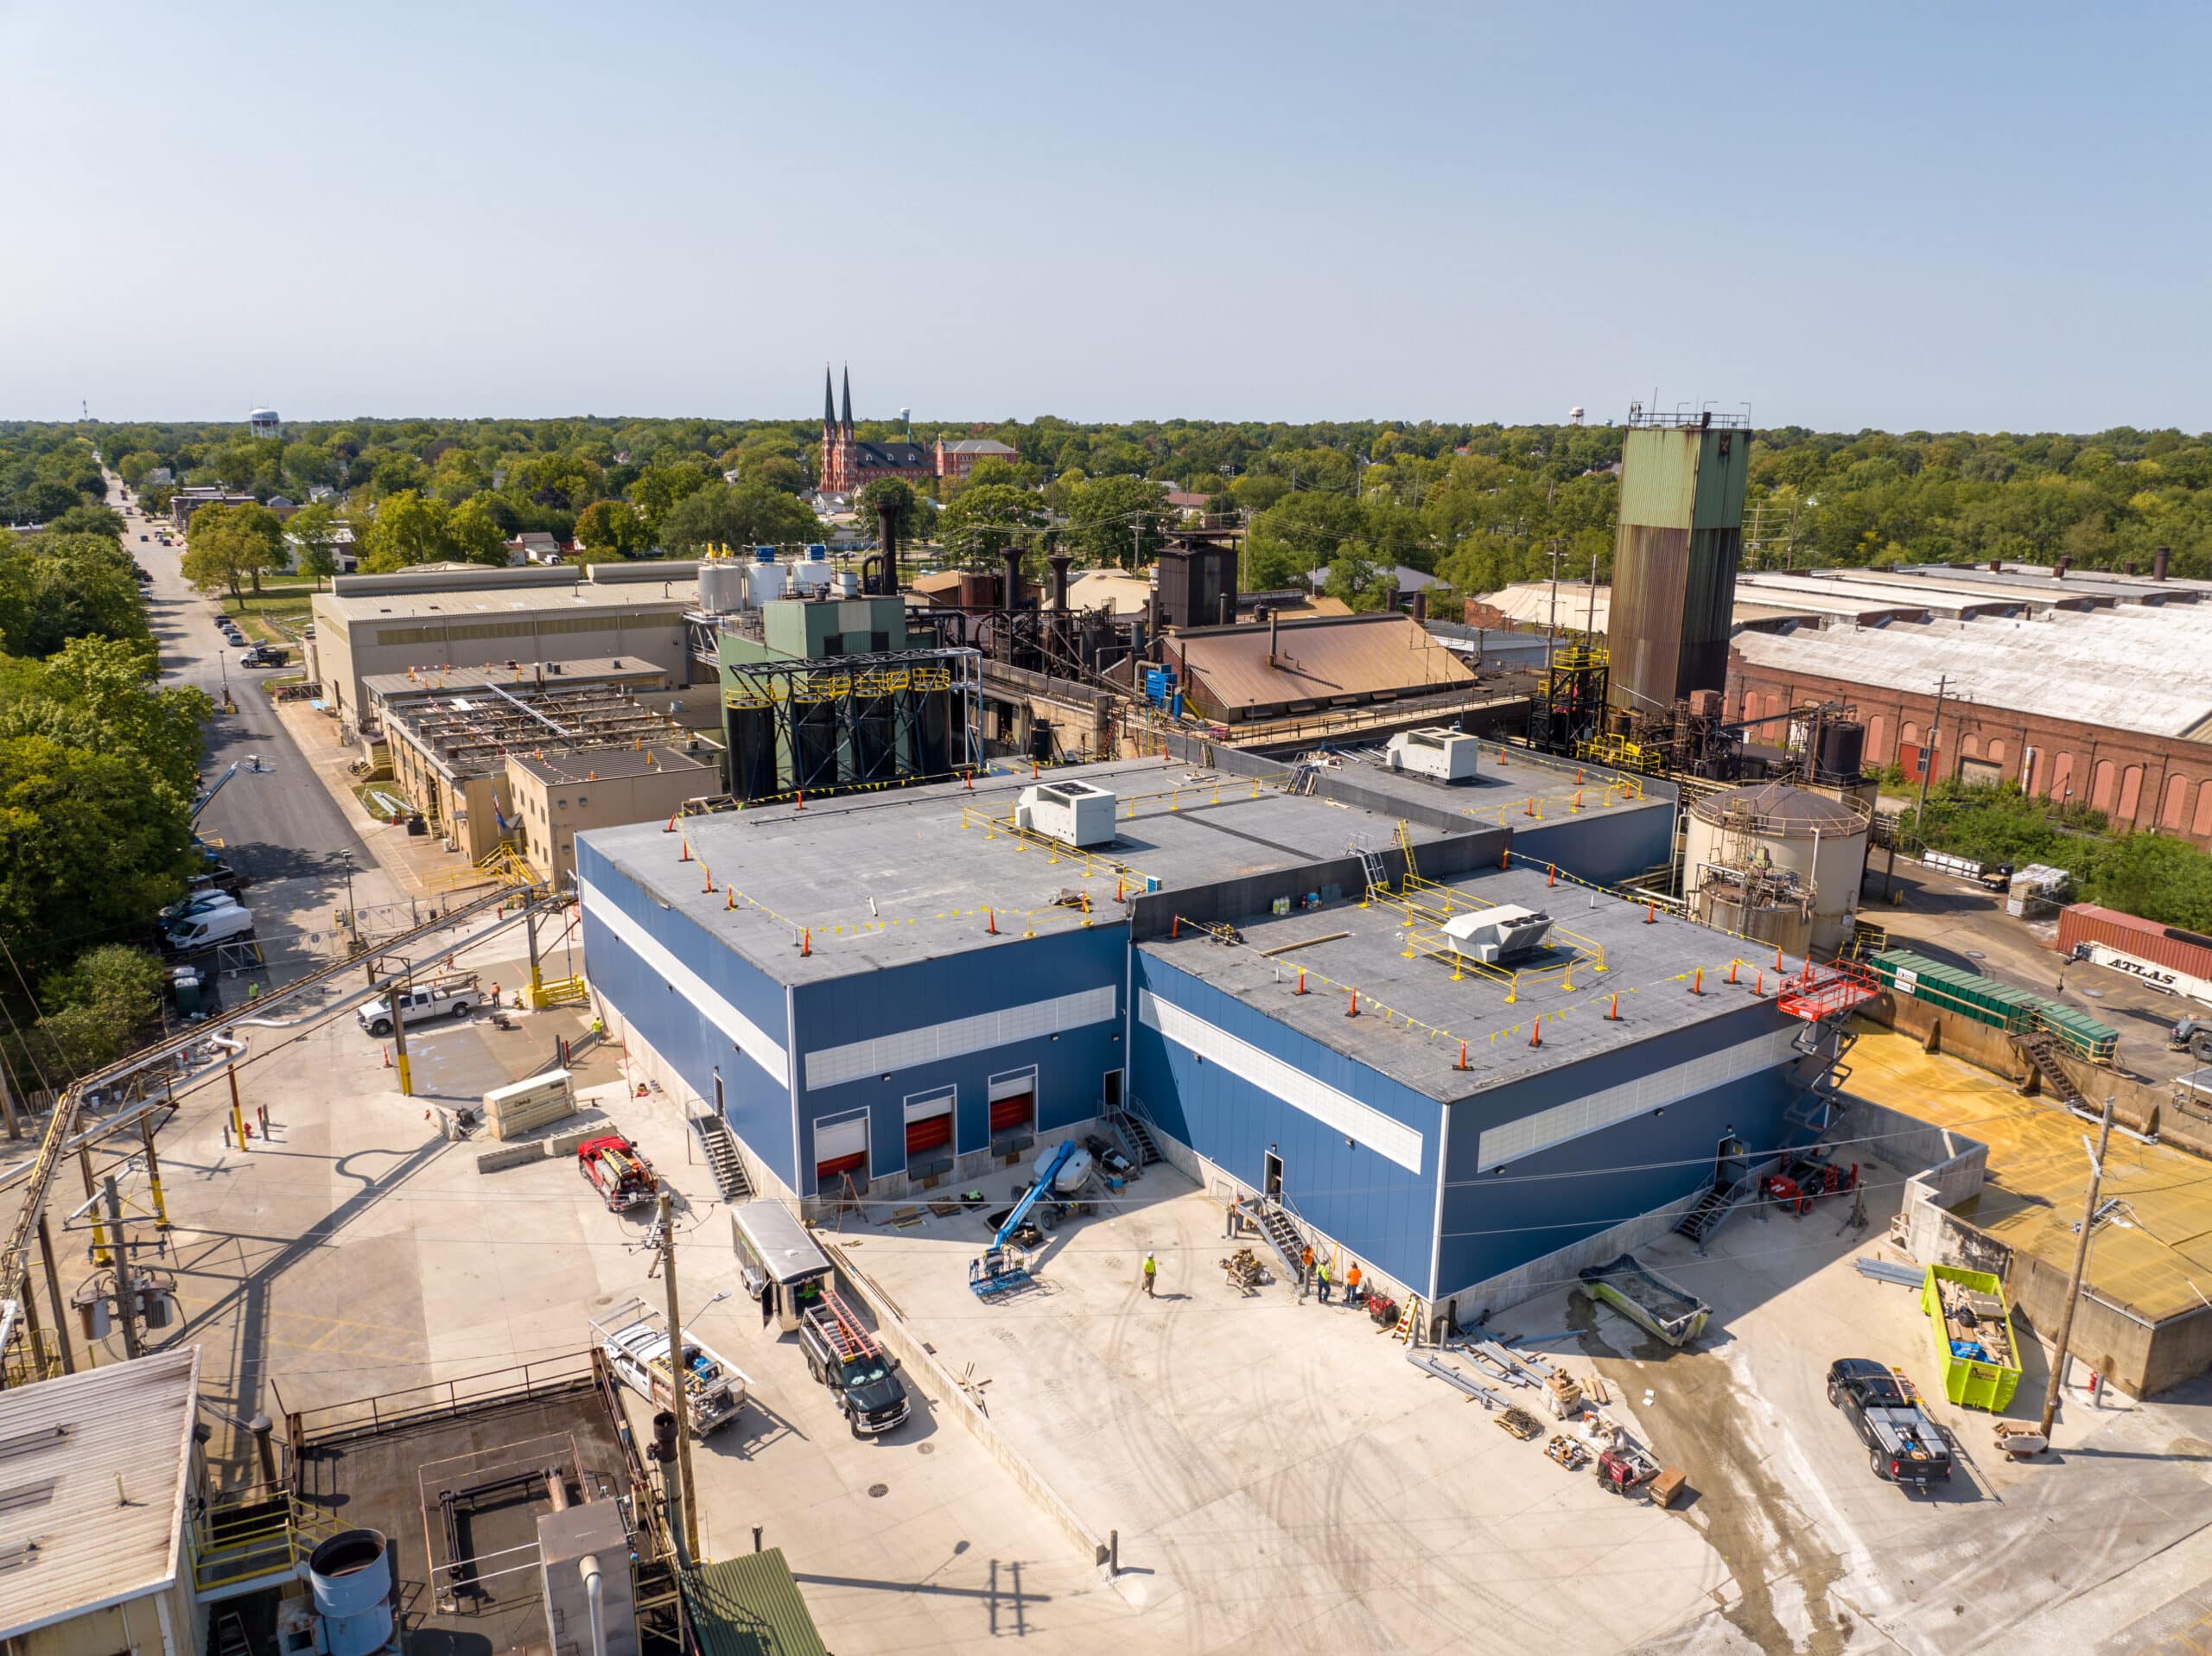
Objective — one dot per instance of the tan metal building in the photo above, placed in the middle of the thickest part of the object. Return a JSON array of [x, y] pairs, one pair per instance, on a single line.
[[369, 625], [101, 1475], [1310, 664], [557, 796]]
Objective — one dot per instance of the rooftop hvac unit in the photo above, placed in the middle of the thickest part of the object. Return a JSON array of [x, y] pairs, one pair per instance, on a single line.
[[1074, 813], [1499, 935], [1447, 755]]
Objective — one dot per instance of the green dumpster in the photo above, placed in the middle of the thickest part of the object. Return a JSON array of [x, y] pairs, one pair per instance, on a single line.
[[1974, 1348]]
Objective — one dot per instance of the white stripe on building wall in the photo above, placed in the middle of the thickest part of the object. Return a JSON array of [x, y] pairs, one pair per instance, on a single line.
[[883, 1055], [748, 1036], [1339, 1112], [1510, 1140]]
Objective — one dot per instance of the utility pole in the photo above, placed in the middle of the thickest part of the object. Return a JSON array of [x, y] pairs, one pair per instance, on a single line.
[[679, 1394], [124, 1292], [2081, 1264], [352, 915], [1928, 752], [8, 1105], [53, 1294], [396, 992]]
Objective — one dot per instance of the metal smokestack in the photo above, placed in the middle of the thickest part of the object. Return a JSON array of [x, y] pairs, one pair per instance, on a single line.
[[1010, 598], [2159, 556], [1059, 561]]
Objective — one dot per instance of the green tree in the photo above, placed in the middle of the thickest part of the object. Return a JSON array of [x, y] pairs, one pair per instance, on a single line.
[[56, 587], [614, 527], [313, 532], [229, 544], [475, 533], [1299, 533], [409, 530], [98, 1007], [737, 516], [89, 520], [133, 466], [93, 694], [89, 843], [658, 489], [983, 520], [1117, 520]]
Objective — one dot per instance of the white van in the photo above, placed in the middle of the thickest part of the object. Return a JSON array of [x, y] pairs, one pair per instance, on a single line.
[[421, 1003], [197, 904], [208, 928]]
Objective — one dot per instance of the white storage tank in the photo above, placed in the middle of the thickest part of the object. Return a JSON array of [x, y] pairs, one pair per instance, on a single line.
[[765, 580], [1074, 813], [811, 575], [722, 585], [1445, 754], [1777, 864]]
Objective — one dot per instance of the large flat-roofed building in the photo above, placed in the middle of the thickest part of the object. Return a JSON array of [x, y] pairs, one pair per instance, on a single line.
[[98, 1477], [2091, 688], [371, 625], [878, 995], [554, 795]]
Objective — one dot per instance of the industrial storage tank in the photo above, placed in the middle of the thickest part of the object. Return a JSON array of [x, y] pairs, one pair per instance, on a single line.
[[722, 585], [754, 767], [811, 576], [765, 580], [1776, 863]]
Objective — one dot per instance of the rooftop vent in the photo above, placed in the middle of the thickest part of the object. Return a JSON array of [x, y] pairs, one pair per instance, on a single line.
[[1074, 813], [1494, 936]]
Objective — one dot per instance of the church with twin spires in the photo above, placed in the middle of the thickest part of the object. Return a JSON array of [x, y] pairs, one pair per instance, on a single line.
[[850, 465]]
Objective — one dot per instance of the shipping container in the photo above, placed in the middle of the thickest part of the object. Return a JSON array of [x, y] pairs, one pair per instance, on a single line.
[[1974, 1344], [1985, 1000], [2180, 951]]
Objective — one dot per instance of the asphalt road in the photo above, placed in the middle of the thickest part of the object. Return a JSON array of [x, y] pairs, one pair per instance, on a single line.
[[278, 825]]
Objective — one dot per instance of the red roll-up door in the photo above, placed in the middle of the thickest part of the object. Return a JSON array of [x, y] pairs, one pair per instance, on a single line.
[[840, 1149], [931, 1133], [825, 1171], [1013, 1112]]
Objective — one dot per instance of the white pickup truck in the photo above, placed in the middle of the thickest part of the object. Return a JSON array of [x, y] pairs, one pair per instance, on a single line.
[[634, 1338]]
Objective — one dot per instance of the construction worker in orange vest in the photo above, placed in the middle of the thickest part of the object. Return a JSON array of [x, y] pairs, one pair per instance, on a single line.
[[1351, 1285]]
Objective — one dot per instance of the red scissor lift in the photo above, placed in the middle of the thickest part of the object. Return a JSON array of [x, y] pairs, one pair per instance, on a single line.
[[1828, 989]]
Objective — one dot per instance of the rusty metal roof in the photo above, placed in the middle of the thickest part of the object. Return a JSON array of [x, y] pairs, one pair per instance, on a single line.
[[1317, 658]]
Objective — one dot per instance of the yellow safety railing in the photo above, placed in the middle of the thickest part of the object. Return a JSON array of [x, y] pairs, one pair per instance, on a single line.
[[558, 992], [244, 1539]]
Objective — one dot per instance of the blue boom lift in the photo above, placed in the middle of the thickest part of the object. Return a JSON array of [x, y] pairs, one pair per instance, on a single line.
[[1001, 1266]]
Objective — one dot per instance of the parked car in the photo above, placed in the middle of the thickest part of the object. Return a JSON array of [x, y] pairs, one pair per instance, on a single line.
[[844, 1356], [421, 1003]]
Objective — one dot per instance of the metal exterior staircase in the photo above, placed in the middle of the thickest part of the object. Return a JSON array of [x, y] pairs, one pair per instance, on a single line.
[[1283, 1232], [1822, 1101], [1133, 1126], [722, 1159], [1712, 1209], [2041, 1050]]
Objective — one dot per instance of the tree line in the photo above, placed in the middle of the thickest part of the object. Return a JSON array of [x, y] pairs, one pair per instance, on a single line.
[[98, 769]]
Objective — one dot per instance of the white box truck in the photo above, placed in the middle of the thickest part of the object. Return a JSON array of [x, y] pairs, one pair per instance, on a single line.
[[634, 1338]]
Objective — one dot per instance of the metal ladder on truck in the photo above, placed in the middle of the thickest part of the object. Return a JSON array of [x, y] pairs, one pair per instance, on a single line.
[[844, 1333]]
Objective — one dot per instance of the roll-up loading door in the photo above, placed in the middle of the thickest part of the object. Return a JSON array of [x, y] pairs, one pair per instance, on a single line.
[[929, 1126], [1014, 1102], [840, 1147]]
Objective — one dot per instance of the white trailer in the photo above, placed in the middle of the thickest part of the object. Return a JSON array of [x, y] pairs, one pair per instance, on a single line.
[[634, 1337]]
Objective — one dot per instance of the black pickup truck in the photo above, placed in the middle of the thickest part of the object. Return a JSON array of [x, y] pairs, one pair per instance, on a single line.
[[1904, 1446]]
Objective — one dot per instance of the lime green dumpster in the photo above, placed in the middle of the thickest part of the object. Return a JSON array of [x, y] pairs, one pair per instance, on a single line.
[[1974, 1348]]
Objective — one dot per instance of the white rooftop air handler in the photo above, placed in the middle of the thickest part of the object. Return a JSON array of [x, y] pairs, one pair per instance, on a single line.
[[1074, 813], [1435, 752], [1495, 936], [765, 580]]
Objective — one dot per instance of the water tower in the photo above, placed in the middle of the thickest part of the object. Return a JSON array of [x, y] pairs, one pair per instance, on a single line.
[[263, 423]]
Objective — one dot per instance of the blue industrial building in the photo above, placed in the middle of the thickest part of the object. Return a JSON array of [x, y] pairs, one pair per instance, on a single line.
[[883, 992]]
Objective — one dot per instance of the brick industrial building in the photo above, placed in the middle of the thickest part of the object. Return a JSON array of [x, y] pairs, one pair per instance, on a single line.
[[2095, 690]]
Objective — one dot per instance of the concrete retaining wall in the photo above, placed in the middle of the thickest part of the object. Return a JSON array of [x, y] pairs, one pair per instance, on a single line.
[[1909, 1144], [1557, 1269], [919, 1367]]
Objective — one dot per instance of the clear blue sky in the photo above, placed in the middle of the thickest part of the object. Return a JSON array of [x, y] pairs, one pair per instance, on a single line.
[[1987, 217]]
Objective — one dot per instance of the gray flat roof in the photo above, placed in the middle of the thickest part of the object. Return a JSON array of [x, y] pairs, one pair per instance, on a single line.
[[586, 765], [671, 596], [522, 676], [1649, 965], [893, 879], [1507, 780]]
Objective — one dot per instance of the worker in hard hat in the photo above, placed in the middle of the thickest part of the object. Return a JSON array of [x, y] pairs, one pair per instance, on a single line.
[[1151, 1275]]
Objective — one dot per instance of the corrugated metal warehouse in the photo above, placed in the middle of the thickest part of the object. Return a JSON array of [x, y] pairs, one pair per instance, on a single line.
[[908, 989]]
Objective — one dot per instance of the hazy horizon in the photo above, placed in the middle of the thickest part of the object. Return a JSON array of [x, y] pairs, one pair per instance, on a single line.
[[1963, 219]]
